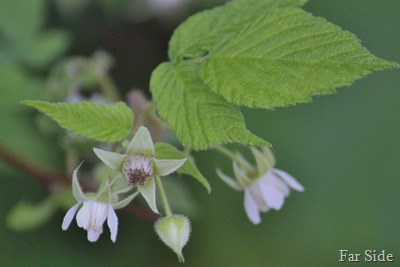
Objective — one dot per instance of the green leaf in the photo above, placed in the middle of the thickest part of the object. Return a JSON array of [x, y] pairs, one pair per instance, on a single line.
[[198, 34], [107, 123], [284, 56], [199, 117], [25, 216], [167, 151]]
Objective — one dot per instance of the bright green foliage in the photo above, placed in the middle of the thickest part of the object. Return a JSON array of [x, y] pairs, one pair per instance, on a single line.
[[199, 117], [107, 123], [25, 216], [200, 33], [167, 151], [255, 53], [284, 57]]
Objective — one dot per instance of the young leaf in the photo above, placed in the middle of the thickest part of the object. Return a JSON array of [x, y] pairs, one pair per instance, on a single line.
[[198, 34], [284, 56], [107, 123], [199, 117], [167, 151]]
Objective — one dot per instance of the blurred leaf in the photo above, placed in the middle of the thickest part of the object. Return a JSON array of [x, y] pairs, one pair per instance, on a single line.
[[26, 216], [107, 123], [199, 117], [20, 19], [15, 85], [17, 128], [167, 151], [285, 56], [43, 48], [22, 39]]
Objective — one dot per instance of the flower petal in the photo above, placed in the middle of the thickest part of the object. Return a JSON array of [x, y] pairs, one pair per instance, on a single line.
[[111, 159], [167, 166], [83, 216], [148, 191], [93, 235], [112, 223], [291, 181], [229, 181], [279, 184], [76, 187], [258, 198], [272, 196], [69, 216], [251, 208], [141, 143]]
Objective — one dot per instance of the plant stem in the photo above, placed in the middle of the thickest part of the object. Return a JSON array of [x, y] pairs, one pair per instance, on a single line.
[[229, 154], [47, 178], [226, 152], [164, 199], [109, 89]]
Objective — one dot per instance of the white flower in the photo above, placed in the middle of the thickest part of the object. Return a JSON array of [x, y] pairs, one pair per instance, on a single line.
[[139, 165], [91, 217], [264, 188], [96, 208]]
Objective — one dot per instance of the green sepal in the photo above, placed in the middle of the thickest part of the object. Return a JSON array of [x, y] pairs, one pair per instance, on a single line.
[[263, 164], [229, 181], [123, 203], [111, 159], [141, 143], [167, 151], [148, 191], [164, 167], [79, 195]]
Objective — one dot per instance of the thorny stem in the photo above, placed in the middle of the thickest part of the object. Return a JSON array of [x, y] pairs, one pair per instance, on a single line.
[[164, 198], [52, 180]]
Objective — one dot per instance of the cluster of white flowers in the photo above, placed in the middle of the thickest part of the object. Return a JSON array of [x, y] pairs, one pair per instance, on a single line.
[[264, 188]]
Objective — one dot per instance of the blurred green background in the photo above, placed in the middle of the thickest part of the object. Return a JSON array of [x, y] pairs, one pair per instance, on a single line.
[[344, 148]]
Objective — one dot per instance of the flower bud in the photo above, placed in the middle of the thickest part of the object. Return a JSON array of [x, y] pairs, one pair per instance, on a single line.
[[174, 231]]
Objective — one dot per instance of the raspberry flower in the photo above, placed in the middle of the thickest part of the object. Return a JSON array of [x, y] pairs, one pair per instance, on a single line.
[[139, 165], [96, 208], [264, 187]]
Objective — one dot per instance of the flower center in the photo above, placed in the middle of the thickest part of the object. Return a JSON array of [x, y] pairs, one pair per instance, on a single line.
[[138, 169]]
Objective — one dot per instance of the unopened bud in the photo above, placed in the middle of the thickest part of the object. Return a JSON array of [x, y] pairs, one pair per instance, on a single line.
[[174, 231]]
